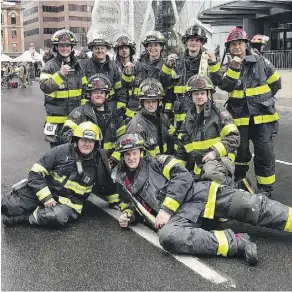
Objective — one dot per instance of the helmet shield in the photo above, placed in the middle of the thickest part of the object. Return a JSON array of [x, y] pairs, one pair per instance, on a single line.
[[128, 142], [196, 83], [88, 130], [151, 88]]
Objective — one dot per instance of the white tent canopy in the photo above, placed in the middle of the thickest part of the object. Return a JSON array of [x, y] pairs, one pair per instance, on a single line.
[[27, 56], [5, 58]]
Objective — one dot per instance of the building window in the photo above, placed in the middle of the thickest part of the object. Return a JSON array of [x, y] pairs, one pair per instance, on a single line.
[[78, 29], [82, 8], [30, 11], [2, 18], [1, 34], [2, 47], [36, 19], [14, 47], [51, 30], [80, 18], [14, 33], [31, 32], [53, 8], [13, 18]]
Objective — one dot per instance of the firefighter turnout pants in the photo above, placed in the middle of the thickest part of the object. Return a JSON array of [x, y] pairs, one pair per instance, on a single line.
[[24, 201], [182, 236], [262, 136]]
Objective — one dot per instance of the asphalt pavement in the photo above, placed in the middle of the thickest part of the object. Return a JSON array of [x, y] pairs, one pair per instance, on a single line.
[[93, 253]]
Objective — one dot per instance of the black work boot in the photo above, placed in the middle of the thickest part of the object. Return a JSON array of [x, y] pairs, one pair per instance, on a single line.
[[265, 191], [246, 248], [12, 220]]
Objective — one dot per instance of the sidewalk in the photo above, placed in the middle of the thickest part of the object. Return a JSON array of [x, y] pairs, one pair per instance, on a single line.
[[283, 103]]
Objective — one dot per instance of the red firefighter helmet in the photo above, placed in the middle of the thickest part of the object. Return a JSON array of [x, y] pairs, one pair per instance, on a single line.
[[236, 34]]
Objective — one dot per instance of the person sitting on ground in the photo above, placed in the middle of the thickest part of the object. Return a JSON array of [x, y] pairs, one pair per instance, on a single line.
[[165, 193]]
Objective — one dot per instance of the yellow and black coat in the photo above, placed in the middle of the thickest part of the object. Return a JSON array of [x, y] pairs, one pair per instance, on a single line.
[[212, 129]]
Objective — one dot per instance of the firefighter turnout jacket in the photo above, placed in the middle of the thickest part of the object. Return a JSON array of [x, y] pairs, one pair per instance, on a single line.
[[212, 129]]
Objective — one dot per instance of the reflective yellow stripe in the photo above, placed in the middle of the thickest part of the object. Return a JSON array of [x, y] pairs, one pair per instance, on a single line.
[[168, 106], [288, 226], [180, 117], [116, 155], [83, 101], [233, 74], [179, 136], [273, 78], [57, 177], [34, 214], [223, 245], [171, 130], [228, 129], [137, 91], [121, 104], [248, 186], [164, 148], [77, 188], [45, 76], [66, 93], [201, 144], [236, 94], [258, 90], [66, 201], [112, 92], [123, 206], [266, 180], [220, 148], [129, 212], [70, 124], [108, 145], [197, 169], [154, 151], [39, 168], [211, 202], [167, 168], [168, 71], [266, 119], [214, 68], [84, 80], [182, 162], [171, 204], [57, 79], [56, 119], [129, 113], [43, 193], [128, 79], [121, 130], [231, 156], [113, 198], [179, 89], [241, 122], [118, 85]]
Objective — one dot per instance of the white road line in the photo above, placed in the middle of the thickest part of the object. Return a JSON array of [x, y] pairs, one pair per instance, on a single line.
[[190, 261], [281, 161]]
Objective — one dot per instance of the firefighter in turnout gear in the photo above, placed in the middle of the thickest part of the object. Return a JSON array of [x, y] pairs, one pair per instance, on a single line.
[[208, 136], [58, 184], [61, 80], [166, 190], [150, 65], [251, 82], [108, 119], [150, 122], [258, 42], [189, 64], [125, 49], [100, 63]]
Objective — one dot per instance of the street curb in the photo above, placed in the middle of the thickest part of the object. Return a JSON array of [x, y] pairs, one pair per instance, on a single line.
[[280, 109]]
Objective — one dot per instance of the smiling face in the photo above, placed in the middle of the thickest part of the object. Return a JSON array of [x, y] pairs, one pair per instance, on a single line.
[[98, 97], [154, 50], [85, 146], [99, 52], [132, 158], [238, 48], [64, 50], [194, 45]]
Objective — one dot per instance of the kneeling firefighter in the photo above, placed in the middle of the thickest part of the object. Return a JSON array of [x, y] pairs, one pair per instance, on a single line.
[[164, 193]]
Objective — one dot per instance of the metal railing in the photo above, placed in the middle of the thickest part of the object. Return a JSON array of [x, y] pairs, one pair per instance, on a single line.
[[280, 59]]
